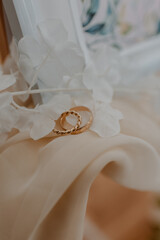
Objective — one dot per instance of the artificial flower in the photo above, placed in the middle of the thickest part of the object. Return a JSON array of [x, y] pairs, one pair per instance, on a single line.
[[51, 61]]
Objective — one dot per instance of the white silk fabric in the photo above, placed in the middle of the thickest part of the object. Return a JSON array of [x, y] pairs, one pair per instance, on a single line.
[[44, 184]]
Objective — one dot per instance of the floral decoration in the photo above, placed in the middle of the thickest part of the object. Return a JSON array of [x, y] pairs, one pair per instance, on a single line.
[[52, 62]]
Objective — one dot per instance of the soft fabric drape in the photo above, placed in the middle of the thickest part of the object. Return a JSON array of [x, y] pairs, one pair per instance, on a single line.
[[44, 184]]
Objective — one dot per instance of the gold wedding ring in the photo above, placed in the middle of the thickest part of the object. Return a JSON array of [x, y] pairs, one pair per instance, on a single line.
[[80, 129], [73, 128]]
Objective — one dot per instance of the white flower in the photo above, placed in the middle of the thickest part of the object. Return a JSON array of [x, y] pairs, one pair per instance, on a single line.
[[102, 91], [107, 63], [38, 123], [58, 56], [6, 81], [55, 62], [41, 120], [8, 115], [106, 120]]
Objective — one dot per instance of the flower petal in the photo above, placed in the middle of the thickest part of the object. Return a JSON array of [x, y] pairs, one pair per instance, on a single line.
[[6, 81], [53, 32], [5, 99], [59, 104], [106, 120], [102, 91], [32, 50], [42, 126]]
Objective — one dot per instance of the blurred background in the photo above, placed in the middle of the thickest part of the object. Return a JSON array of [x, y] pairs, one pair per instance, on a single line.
[[117, 213]]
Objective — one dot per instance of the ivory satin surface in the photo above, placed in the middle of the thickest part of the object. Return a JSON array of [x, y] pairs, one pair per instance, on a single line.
[[44, 184]]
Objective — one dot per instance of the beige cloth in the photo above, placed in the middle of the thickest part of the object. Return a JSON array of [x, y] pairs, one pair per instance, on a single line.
[[117, 212], [44, 184]]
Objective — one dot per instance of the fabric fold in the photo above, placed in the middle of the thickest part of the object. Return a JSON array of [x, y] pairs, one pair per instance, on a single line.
[[44, 188]]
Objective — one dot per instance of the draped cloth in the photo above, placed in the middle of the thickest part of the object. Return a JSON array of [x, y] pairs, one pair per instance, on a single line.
[[44, 184]]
